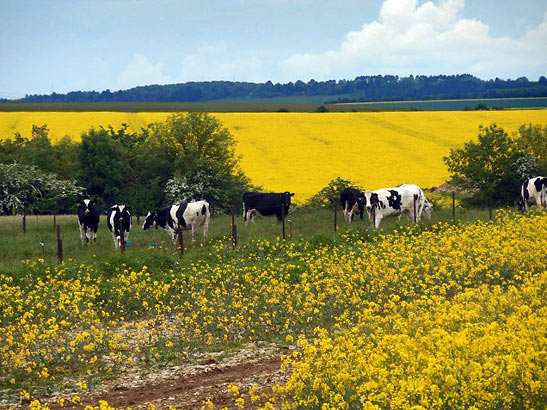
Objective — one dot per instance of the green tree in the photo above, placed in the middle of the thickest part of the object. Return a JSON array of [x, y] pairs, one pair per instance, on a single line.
[[482, 165], [533, 139], [38, 150], [101, 168], [66, 157], [496, 165], [192, 137], [202, 151]]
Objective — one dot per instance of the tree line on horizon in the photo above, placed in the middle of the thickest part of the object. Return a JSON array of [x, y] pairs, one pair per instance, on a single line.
[[361, 89]]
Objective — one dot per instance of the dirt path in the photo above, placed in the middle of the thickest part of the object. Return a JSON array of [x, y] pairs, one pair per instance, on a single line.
[[190, 391]]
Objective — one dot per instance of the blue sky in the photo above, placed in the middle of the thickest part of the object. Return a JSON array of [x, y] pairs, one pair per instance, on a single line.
[[62, 46]]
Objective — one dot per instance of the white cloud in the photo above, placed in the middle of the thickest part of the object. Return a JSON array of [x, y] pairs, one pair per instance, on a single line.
[[429, 38], [140, 71]]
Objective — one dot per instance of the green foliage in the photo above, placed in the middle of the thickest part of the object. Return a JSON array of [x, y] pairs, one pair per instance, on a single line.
[[25, 188], [495, 166], [203, 156], [101, 166], [330, 195]]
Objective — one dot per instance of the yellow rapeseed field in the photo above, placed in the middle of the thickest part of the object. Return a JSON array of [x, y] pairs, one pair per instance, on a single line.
[[302, 152], [454, 317]]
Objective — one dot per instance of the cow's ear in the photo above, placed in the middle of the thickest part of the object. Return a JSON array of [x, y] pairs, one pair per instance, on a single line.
[[94, 202], [128, 208], [292, 194], [79, 204]]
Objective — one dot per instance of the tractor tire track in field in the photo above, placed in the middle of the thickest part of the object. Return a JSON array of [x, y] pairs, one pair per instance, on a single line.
[[410, 131], [189, 391]]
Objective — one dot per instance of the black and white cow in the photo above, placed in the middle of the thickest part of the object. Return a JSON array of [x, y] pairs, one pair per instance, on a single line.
[[181, 216], [88, 218], [114, 215], [397, 201], [534, 192], [352, 201], [265, 204]]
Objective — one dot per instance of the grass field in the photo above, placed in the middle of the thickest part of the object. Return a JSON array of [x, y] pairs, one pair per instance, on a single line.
[[40, 240], [302, 152], [458, 105]]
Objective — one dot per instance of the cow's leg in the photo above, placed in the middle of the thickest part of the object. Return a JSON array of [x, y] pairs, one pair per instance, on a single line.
[[377, 220], [194, 233], [88, 236], [205, 231], [346, 212], [115, 239], [95, 236]]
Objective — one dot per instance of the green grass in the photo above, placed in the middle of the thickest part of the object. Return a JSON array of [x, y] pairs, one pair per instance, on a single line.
[[303, 224]]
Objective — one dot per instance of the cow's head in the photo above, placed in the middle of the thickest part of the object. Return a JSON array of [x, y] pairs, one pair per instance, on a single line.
[[370, 200], [87, 205], [361, 203], [428, 209], [149, 221], [287, 197]]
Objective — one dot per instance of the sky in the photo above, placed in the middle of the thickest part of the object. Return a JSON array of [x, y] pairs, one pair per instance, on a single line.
[[70, 45]]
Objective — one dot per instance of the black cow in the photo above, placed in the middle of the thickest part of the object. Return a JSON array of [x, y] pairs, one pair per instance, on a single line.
[[265, 204], [114, 215], [88, 218], [181, 216], [353, 201]]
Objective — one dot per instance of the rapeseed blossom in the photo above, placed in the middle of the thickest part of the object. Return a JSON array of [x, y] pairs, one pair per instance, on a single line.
[[450, 316], [271, 144]]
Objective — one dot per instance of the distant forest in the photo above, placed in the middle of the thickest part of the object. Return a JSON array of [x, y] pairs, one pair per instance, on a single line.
[[361, 89]]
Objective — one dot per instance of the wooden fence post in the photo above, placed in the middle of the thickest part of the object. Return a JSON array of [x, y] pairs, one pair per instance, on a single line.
[[122, 239], [24, 220], [283, 217], [489, 206], [54, 220], [335, 216], [59, 246], [234, 227]]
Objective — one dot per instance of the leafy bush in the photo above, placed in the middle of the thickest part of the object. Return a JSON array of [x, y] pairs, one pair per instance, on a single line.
[[330, 195]]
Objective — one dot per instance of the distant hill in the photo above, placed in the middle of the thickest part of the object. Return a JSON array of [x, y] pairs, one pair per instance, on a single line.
[[361, 89]]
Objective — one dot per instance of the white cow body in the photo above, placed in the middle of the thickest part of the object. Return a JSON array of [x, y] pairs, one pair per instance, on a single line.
[[388, 202], [181, 216], [534, 192]]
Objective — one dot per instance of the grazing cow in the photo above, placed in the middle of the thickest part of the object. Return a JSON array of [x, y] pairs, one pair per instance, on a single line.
[[352, 201], [88, 218], [116, 214], [397, 201], [265, 204], [182, 216], [534, 192]]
